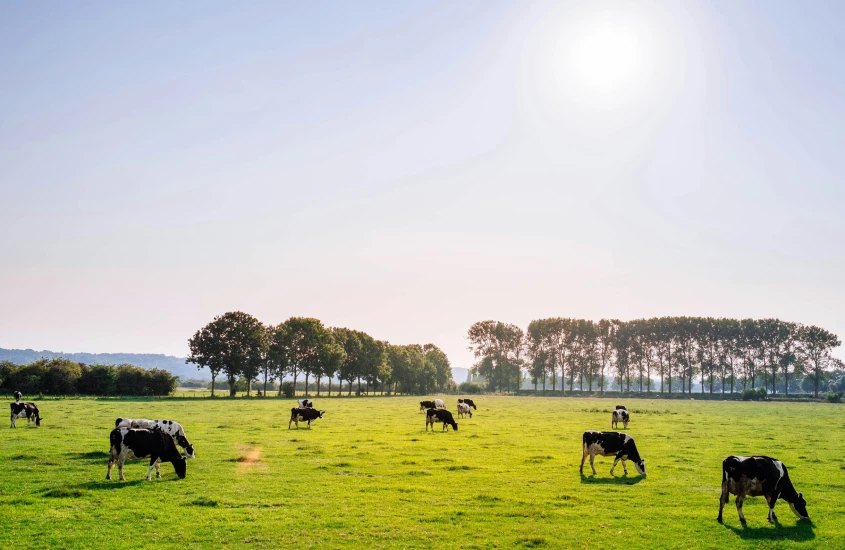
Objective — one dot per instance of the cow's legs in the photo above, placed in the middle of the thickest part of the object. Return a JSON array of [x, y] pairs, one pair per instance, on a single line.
[[150, 469], [158, 468], [592, 463], [13, 421], [724, 498], [624, 466], [583, 458], [739, 500], [772, 500], [615, 462], [111, 464], [120, 462]]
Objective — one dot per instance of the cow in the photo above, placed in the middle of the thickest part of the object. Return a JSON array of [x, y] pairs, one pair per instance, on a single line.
[[440, 415], [305, 404], [623, 407], [135, 444], [425, 405], [18, 397], [301, 414], [167, 426], [468, 402], [29, 410], [439, 404], [616, 444], [463, 409], [620, 415], [755, 476]]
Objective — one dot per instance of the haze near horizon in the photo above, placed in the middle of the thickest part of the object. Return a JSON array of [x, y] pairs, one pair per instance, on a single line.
[[407, 169]]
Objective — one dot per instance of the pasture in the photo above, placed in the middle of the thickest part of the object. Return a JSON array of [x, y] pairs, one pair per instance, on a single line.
[[369, 475]]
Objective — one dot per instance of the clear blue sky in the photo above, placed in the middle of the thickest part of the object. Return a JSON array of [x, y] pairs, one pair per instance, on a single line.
[[408, 168]]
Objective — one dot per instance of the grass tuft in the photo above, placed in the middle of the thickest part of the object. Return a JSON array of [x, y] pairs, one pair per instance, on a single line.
[[204, 501], [66, 492]]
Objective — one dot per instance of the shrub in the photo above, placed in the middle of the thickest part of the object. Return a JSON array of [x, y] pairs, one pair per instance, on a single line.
[[470, 387], [758, 394], [834, 397], [288, 390]]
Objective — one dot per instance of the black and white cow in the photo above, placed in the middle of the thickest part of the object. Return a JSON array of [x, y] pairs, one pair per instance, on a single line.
[[620, 415], [616, 444], [439, 404], [468, 402], [440, 415], [755, 476], [134, 444], [29, 410], [425, 405], [302, 414], [623, 407], [305, 404], [18, 397], [463, 410], [167, 426]]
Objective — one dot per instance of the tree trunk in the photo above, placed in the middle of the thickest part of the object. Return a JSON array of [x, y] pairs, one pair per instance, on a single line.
[[213, 377], [307, 375], [318, 385], [330, 386], [359, 386], [265, 382], [232, 389]]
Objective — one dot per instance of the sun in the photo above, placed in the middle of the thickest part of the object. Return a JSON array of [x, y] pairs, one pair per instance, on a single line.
[[606, 58]]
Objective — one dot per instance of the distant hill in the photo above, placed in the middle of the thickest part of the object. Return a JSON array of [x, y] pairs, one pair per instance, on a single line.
[[175, 365]]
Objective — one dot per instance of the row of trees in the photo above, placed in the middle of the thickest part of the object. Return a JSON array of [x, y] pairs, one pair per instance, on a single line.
[[719, 354], [65, 377], [237, 344]]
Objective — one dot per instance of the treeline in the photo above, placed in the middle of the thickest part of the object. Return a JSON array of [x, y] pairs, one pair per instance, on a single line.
[[237, 345], [65, 377], [721, 355]]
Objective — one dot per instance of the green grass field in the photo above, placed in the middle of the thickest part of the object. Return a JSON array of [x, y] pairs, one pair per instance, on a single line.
[[368, 475]]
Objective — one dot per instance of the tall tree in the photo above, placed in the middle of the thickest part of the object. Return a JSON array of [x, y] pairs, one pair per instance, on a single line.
[[815, 347], [235, 340]]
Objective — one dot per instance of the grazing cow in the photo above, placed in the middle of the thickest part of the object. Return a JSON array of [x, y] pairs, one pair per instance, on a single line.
[[167, 426], [440, 415], [463, 409], [623, 407], [468, 402], [29, 410], [759, 475], [305, 404], [18, 397], [611, 444], [425, 405], [620, 415], [135, 444], [302, 414], [439, 404]]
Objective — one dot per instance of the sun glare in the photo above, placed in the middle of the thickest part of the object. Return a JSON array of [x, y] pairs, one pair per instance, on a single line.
[[606, 58]]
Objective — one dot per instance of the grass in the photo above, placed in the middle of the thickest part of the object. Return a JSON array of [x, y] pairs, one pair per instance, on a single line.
[[369, 475]]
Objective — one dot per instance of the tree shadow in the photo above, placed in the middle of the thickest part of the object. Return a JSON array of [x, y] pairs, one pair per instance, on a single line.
[[91, 455], [623, 480], [802, 531]]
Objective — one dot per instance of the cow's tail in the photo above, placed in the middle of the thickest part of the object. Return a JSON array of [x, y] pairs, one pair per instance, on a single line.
[[114, 443]]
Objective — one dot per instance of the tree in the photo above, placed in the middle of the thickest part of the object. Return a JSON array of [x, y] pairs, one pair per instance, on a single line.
[[206, 349], [439, 363], [814, 349]]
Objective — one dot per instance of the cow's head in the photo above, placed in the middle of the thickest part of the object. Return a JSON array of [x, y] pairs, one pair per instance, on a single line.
[[799, 507], [181, 466], [189, 449], [38, 420], [321, 414], [640, 466], [454, 425], [117, 422]]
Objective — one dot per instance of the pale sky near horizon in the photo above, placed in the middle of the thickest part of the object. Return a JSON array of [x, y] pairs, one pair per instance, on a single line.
[[409, 168]]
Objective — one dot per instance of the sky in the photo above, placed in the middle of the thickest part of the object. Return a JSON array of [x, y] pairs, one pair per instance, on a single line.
[[410, 168]]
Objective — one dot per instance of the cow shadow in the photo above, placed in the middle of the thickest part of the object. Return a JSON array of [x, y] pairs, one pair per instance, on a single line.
[[109, 485], [802, 531], [91, 455], [622, 480]]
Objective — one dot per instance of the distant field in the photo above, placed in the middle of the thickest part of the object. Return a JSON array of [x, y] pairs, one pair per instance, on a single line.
[[368, 475]]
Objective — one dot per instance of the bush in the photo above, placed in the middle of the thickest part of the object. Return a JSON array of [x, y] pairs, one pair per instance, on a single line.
[[754, 395], [288, 390], [834, 397], [470, 387]]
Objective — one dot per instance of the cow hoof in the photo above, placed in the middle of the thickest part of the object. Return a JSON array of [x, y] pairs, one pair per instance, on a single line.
[[719, 519]]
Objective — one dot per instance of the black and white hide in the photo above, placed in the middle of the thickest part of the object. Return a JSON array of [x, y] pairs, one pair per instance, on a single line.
[[167, 426], [468, 402], [755, 476], [305, 403], [302, 414], [620, 415], [464, 410], [440, 415], [425, 405], [133, 444], [616, 444], [28, 410]]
